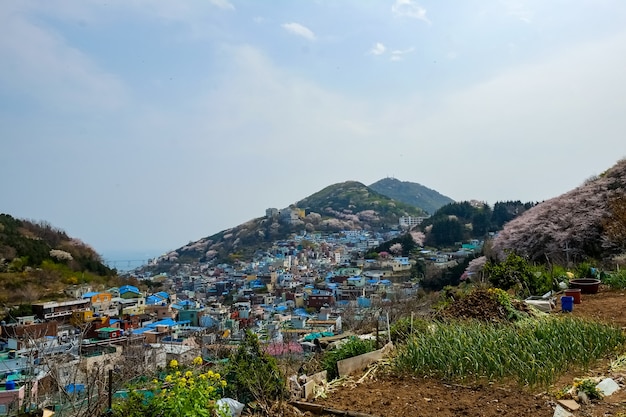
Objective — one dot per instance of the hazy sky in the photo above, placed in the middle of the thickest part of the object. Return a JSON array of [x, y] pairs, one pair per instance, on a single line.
[[145, 124]]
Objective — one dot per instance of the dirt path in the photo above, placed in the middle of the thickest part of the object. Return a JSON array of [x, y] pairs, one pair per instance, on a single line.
[[605, 306], [388, 396]]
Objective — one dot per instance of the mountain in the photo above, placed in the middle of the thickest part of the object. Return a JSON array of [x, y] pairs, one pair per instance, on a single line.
[[586, 223], [345, 206], [411, 193], [352, 200]]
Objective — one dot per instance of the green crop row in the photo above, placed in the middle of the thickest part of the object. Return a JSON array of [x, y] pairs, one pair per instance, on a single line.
[[531, 352]]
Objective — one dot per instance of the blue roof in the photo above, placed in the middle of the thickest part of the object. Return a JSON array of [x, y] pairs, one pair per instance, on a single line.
[[162, 294], [300, 312], [90, 294], [141, 330], [164, 322], [153, 299], [129, 288]]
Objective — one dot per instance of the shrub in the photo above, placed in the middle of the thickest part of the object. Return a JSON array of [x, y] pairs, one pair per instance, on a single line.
[[614, 280], [350, 348], [179, 392], [253, 375], [517, 274]]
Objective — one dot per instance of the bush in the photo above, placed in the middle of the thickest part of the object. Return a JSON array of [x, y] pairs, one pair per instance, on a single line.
[[585, 270], [614, 280], [517, 274], [350, 348], [180, 391], [253, 375]]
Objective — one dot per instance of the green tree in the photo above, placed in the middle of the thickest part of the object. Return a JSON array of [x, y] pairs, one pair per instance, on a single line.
[[481, 222], [445, 232], [516, 273], [253, 375]]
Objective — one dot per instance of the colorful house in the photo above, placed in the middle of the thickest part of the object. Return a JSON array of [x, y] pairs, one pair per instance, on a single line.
[[107, 333]]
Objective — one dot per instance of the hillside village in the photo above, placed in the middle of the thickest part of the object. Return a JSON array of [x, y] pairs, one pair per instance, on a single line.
[[297, 292]]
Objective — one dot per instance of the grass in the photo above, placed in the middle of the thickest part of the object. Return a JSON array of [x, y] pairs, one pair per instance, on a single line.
[[532, 352]]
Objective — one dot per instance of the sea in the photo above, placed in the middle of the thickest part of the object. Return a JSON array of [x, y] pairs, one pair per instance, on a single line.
[[128, 260]]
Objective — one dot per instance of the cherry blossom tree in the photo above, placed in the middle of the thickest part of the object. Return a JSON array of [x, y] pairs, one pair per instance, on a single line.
[[571, 227], [396, 249]]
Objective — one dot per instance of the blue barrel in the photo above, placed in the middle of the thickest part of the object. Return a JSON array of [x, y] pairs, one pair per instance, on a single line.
[[9, 385], [567, 303]]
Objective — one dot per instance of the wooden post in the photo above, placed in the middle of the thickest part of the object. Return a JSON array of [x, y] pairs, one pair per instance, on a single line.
[[110, 391], [377, 330]]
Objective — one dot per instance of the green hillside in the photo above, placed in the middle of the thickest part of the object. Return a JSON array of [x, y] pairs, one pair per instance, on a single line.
[[353, 198], [411, 193], [345, 206], [38, 260]]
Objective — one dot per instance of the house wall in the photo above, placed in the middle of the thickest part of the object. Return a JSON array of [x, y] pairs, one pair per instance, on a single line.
[[12, 400]]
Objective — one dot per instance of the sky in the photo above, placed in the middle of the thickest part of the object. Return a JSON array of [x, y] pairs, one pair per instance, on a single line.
[[139, 126]]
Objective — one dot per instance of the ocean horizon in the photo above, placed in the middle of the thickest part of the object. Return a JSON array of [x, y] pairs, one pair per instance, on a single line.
[[127, 260]]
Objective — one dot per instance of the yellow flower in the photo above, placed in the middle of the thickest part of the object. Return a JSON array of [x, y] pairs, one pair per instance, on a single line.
[[173, 363], [197, 360], [188, 374], [223, 383], [168, 378], [155, 381]]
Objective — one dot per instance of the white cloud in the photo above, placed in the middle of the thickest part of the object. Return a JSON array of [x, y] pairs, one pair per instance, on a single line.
[[222, 4], [378, 49], [409, 8], [398, 54], [299, 30]]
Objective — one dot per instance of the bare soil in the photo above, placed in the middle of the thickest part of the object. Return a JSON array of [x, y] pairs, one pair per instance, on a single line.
[[387, 395]]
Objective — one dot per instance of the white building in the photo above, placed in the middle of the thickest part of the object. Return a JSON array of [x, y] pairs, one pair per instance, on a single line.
[[410, 221]]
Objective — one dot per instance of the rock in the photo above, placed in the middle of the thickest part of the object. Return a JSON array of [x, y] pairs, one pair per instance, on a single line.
[[583, 397], [570, 404], [607, 386], [561, 412], [232, 408]]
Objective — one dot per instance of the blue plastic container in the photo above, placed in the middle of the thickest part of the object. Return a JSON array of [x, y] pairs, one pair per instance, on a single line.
[[567, 303]]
